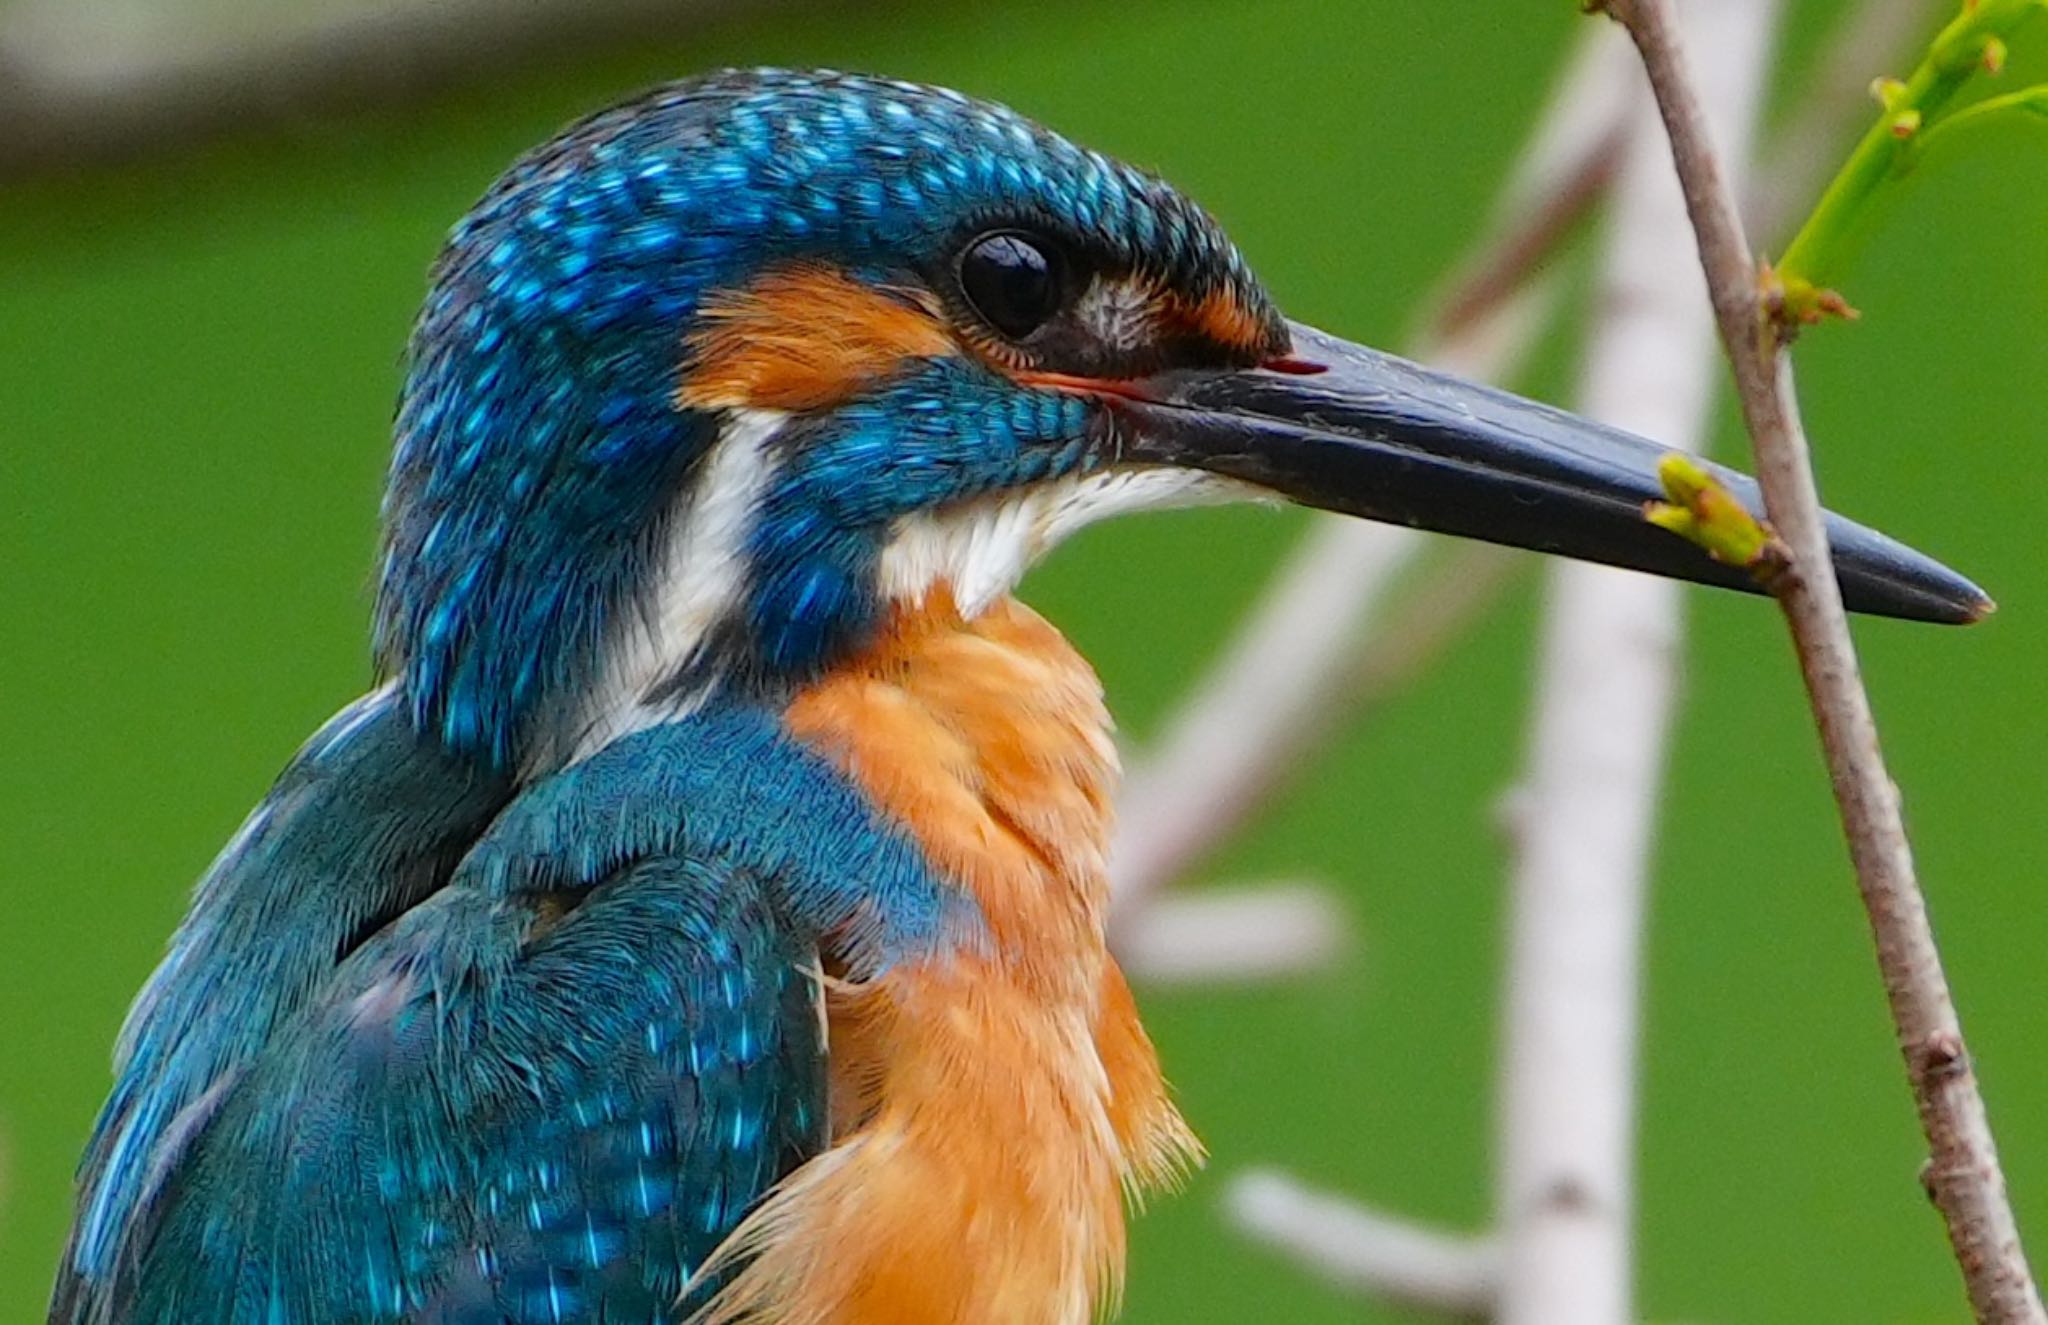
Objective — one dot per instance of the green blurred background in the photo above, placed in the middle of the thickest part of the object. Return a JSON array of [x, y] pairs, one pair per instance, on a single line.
[[197, 363]]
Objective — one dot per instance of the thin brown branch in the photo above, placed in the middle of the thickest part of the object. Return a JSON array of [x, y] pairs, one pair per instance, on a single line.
[[1963, 1175]]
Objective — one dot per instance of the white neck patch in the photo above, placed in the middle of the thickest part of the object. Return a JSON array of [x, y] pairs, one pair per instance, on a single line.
[[983, 546], [980, 547], [700, 578]]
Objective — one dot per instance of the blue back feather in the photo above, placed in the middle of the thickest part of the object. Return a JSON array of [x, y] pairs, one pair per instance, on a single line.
[[543, 1092], [366, 821]]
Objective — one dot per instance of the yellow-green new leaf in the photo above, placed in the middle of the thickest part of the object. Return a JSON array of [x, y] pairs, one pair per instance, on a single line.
[[1703, 512]]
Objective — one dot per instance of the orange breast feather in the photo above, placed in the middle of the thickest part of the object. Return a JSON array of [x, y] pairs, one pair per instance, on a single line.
[[991, 1108]]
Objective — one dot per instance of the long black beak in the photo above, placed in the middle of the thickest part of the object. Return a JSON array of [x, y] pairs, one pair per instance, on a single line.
[[1349, 429]]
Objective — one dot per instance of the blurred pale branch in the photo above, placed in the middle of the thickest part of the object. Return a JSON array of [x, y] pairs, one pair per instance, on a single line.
[[1252, 720], [1244, 721], [1253, 931], [1365, 1250], [1358, 612], [94, 81], [1373, 1252], [1591, 789]]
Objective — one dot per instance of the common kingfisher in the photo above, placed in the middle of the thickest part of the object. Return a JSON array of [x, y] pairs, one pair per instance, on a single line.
[[702, 919]]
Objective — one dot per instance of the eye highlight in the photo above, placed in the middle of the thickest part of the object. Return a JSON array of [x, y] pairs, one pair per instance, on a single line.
[[1015, 281]]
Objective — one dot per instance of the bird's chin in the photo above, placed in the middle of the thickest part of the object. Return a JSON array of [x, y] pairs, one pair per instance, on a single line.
[[981, 547]]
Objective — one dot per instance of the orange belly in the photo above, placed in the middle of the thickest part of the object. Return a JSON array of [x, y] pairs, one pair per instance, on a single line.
[[992, 1106]]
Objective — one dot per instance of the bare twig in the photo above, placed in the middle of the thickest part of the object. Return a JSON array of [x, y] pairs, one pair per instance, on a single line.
[[1448, 599], [1586, 812], [1562, 171], [1186, 814], [1271, 689], [1229, 743], [1963, 1175], [1247, 715], [1359, 1248]]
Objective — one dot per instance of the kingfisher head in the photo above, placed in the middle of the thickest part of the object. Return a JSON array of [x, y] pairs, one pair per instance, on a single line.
[[713, 380]]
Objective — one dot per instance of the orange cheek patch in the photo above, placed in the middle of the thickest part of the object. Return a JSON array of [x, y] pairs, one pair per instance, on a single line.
[[1222, 319], [802, 338]]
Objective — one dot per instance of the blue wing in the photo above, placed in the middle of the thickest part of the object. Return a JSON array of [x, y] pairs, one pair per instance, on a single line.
[[547, 1111], [366, 821], [541, 1092]]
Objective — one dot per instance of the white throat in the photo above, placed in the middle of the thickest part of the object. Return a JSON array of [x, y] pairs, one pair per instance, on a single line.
[[982, 547], [979, 547]]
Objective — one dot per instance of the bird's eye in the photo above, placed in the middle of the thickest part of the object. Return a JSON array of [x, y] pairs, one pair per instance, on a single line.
[[1013, 281]]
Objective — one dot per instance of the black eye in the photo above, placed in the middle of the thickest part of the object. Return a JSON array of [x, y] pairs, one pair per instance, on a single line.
[[1013, 281]]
